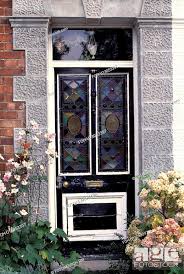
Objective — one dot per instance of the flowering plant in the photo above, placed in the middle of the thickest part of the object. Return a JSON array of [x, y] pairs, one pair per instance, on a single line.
[[162, 223], [25, 241]]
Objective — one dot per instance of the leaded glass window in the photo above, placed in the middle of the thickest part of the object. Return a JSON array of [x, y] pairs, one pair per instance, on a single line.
[[112, 119], [74, 123]]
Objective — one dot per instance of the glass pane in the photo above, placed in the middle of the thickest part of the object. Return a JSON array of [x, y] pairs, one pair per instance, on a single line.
[[94, 216], [98, 44], [74, 123], [112, 119]]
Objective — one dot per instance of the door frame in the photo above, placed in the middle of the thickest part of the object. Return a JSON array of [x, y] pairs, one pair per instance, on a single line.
[[52, 65]]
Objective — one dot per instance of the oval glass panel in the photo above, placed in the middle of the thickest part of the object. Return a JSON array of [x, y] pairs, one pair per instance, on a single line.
[[74, 124], [112, 123]]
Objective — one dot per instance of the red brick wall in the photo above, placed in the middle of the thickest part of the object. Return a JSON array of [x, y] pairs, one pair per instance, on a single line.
[[12, 114]]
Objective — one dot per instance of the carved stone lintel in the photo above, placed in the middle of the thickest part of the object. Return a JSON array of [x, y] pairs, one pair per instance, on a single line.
[[93, 8]]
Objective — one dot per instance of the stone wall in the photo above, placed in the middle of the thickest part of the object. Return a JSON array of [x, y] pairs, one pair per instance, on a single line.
[[153, 26], [31, 35], [155, 85]]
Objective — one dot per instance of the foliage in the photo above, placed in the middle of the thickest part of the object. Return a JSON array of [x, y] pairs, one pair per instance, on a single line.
[[27, 246], [162, 221], [176, 270]]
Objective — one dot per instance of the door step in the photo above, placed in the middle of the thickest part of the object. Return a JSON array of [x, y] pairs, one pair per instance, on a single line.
[[90, 264]]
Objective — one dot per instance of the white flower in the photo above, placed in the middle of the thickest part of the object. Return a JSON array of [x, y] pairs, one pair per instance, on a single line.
[[180, 203], [23, 212], [10, 160], [51, 152], [16, 165], [174, 174], [144, 204], [2, 187], [28, 165], [24, 182], [181, 189], [181, 240], [157, 185], [155, 204], [1, 157], [42, 167], [36, 139], [163, 176], [14, 190], [171, 188], [12, 185], [22, 132], [34, 124], [144, 193], [17, 177]]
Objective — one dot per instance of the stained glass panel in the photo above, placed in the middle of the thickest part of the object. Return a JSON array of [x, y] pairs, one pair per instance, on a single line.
[[74, 121], [113, 119]]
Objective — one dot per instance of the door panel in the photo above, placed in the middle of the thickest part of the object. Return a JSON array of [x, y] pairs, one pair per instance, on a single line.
[[112, 117], [74, 123]]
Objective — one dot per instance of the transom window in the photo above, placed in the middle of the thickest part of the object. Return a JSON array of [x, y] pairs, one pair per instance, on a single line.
[[86, 44]]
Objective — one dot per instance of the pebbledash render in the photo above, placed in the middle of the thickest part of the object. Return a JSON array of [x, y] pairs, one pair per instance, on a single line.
[[158, 83]]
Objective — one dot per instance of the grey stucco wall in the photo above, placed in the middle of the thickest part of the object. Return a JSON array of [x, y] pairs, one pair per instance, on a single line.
[[32, 36], [155, 57], [30, 29]]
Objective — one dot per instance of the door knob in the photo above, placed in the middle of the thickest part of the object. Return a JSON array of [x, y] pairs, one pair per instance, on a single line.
[[66, 184]]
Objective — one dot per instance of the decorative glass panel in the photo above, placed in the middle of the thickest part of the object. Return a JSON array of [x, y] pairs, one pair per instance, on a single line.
[[74, 121], [98, 44], [113, 120], [94, 216]]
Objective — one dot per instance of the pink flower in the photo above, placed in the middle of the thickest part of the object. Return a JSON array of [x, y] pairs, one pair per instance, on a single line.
[[7, 176], [147, 242]]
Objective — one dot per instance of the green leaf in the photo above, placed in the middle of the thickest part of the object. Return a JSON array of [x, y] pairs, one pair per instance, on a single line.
[[15, 237], [40, 232], [44, 254], [60, 233], [4, 245], [43, 223], [52, 237], [74, 256], [2, 203], [1, 223], [5, 210], [55, 254], [39, 244], [78, 271], [176, 270]]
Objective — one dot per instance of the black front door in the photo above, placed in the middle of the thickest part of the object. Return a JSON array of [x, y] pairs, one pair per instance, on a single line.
[[96, 151]]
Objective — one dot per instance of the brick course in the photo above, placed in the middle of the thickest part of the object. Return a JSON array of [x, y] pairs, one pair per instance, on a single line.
[[12, 63]]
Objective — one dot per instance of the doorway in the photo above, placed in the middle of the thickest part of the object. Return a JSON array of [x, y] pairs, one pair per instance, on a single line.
[[95, 139]]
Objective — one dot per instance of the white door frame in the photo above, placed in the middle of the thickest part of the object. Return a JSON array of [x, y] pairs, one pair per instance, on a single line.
[[51, 113]]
